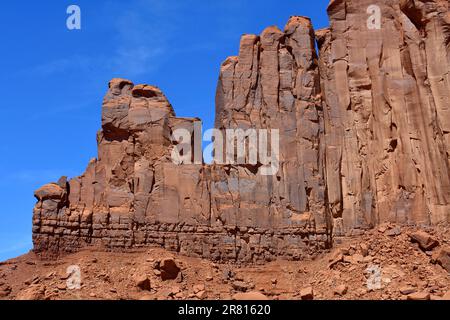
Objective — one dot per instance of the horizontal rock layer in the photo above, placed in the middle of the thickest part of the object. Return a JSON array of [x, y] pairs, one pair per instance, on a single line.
[[364, 138]]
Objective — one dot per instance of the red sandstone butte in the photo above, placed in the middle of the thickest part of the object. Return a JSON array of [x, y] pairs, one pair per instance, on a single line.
[[364, 139]]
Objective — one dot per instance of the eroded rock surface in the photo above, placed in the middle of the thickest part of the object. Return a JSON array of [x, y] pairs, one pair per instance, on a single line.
[[134, 195], [386, 109], [364, 139]]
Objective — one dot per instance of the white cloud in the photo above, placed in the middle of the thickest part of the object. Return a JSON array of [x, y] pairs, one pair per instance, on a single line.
[[143, 36]]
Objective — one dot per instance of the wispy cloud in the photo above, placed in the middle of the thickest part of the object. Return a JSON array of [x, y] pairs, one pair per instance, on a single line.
[[68, 106], [56, 66], [143, 34], [140, 31], [34, 176], [135, 61]]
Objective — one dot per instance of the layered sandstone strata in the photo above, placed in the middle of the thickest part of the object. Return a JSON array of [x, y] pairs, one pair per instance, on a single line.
[[134, 195], [364, 138]]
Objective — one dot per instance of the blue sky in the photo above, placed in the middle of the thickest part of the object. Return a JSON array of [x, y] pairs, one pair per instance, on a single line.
[[52, 80]]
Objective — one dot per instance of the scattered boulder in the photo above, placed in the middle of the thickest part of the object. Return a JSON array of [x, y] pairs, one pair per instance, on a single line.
[[50, 275], [357, 258], [406, 290], [169, 269], [341, 290], [240, 286], [250, 296], [180, 277], [34, 292], [383, 227], [364, 249], [179, 295], [5, 290], [426, 242], [228, 275], [394, 232], [155, 263], [175, 290], [201, 295], [34, 280], [419, 296], [143, 283], [446, 296], [165, 293], [337, 257], [442, 257], [199, 287], [61, 286], [146, 297], [307, 293]]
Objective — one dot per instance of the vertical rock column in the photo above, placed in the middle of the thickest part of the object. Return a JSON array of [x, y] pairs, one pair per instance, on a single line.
[[274, 84], [386, 112]]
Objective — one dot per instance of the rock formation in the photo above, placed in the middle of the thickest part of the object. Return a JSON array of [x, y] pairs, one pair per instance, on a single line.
[[386, 112], [364, 138]]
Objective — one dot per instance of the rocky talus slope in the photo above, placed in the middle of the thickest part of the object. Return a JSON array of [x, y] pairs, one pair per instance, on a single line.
[[388, 263], [364, 129]]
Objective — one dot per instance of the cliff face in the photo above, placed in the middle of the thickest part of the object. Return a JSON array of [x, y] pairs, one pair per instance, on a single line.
[[386, 112], [134, 195], [364, 138]]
